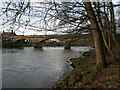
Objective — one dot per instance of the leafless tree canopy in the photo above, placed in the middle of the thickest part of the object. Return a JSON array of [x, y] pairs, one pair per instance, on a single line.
[[67, 17], [50, 16]]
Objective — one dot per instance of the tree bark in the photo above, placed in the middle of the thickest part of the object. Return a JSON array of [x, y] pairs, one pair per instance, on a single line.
[[98, 17], [97, 36], [113, 26]]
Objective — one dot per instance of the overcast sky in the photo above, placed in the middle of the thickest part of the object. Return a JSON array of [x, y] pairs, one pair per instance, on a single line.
[[35, 21]]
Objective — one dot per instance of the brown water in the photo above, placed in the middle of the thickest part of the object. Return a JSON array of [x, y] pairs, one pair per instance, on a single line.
[[34, 68]]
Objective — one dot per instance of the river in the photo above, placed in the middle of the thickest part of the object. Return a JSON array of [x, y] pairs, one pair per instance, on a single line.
[[35, 68]]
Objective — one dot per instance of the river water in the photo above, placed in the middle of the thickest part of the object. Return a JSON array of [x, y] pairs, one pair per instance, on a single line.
[[35, 68]]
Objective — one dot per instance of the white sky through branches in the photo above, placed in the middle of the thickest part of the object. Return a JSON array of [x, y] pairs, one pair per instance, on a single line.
[[35, 20]]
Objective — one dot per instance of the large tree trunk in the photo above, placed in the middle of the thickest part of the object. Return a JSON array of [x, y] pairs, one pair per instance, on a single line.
[[98, 17], [98, 40], [113, 26]]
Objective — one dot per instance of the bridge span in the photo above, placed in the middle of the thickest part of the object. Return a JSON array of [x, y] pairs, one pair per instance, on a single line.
[[38, 40]]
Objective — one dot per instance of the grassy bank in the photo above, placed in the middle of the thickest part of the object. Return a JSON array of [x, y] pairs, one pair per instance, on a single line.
[[85, 74]]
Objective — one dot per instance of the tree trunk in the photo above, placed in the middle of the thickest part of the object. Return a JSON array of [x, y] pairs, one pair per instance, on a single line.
[[97, 36], [113, 26], [98, 17]]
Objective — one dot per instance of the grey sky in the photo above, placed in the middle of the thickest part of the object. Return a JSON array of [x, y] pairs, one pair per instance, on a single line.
[[34, 21]]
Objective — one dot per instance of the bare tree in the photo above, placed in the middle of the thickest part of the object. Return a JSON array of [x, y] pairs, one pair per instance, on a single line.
[[69, 17]]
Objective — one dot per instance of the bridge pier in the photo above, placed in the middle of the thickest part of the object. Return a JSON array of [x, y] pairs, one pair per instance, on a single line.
[[67, 46], [38, 45]]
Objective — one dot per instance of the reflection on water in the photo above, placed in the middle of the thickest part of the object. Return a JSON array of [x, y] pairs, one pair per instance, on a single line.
[[34, 68]]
